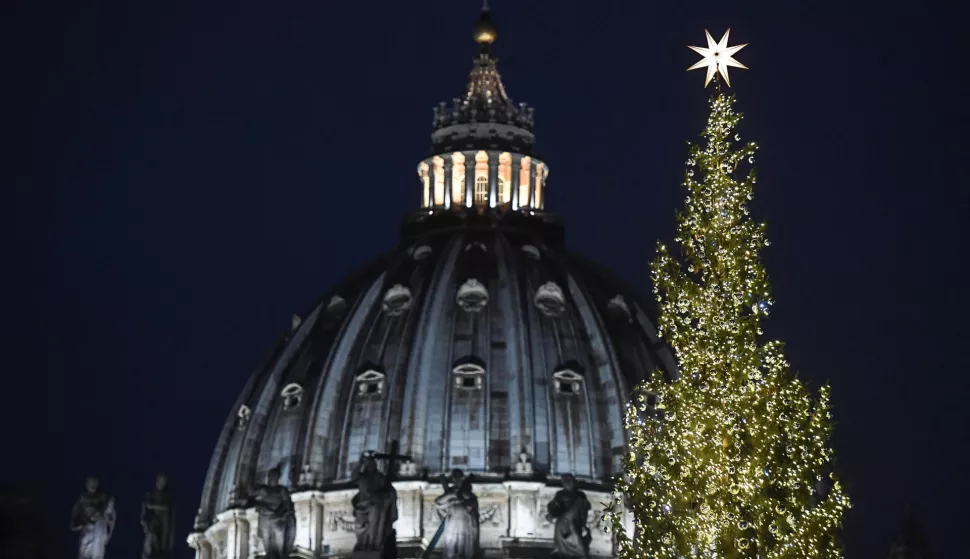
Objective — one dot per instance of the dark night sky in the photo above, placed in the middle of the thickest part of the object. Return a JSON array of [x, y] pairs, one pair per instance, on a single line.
[[182, 176]]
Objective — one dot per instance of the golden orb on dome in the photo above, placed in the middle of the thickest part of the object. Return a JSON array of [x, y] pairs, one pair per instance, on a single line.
[[484, 32]]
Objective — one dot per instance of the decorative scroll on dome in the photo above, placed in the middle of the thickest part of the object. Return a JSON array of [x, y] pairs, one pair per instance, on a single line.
[[550, 299], [292, 395], [397, 300], [472, 296]]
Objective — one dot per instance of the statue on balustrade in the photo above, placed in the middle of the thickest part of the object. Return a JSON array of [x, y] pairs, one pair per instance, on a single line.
[[277, 519], [375, 505], [569, 510], [459, 508], [158, 521], [93, 516]]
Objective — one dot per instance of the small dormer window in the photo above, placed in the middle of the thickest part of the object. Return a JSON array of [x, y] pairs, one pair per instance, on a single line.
[[370, 383], [530, 251], [550, 299], [397, 300], [476, 245], [469, 376], [421, 252], [295, 322], [292, 395], [567, 382], [242, 417], [336, 307], [472, 296], [618, 308]]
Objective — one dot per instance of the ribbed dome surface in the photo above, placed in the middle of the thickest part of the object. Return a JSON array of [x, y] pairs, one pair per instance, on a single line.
[[478, 338]]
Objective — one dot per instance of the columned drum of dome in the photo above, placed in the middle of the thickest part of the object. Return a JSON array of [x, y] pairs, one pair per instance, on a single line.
[[479, 343]]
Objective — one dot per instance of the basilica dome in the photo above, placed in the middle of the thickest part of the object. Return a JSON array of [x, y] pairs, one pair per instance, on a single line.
[[479, 343]]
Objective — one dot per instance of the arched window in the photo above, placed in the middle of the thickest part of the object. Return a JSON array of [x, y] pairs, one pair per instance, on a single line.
[[524, 172], [505, 179], [481, 190], [425, 184], [439, 180]]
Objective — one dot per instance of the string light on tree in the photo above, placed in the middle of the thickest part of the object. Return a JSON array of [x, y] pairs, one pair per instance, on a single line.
[[733, 459], [717, 58]]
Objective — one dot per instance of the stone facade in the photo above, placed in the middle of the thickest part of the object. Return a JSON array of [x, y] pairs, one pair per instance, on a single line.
[[511, 513]]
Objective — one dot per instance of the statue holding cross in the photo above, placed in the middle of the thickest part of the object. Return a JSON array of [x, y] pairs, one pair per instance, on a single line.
[[375, 504]]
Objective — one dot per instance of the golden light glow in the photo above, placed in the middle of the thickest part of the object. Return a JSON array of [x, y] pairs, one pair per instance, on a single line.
[[717, 57], [734, 458], [425, 182], [457, 179], [540, 175], [525, 166], [439, 180], [505, 178]]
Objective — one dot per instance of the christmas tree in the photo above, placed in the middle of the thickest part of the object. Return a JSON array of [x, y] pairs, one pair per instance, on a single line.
[[732, 459]]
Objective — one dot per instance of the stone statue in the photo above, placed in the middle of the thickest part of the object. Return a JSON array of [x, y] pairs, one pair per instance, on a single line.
[[569, 510], [375, 505], [277, 519], [93, 516], [158, 521], [459, 507]]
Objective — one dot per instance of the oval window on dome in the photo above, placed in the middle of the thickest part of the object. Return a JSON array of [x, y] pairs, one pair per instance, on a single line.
[[550, 300], [472, 296], [421, 252], [397, 300], [618, 308], [242, 417], [469, 376], [530, 251], [292, 395], [568, 381]]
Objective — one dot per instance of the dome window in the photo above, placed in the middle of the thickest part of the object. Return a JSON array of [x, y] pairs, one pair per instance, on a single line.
[[336, 306], [469, 376], [421, 252], [618, 308], [292, 395], [242, 417], [567, 382], [530, 251], [370, 383], [472, 296], [397, 300], [550, 299], [295, 322], [476, 245]]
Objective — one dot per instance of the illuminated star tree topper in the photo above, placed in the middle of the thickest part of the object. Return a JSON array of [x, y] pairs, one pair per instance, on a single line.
[[718, 57]]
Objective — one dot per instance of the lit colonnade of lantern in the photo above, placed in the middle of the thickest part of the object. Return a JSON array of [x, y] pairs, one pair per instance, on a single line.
[[483, 179]]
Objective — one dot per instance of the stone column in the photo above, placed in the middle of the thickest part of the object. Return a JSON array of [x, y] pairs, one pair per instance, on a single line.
[[532, 184], [448, 177], [237, 533], [493, 179], [408, 525], [309, 522], [470, 164], [201, 546], [255, 544], [524, 508], [516, 170]]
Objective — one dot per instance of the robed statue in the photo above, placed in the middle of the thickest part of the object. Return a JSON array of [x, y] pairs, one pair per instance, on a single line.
[[459, 508], [93, 516], [375, 505], [158, 521], [569, 509], [277, 519]]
